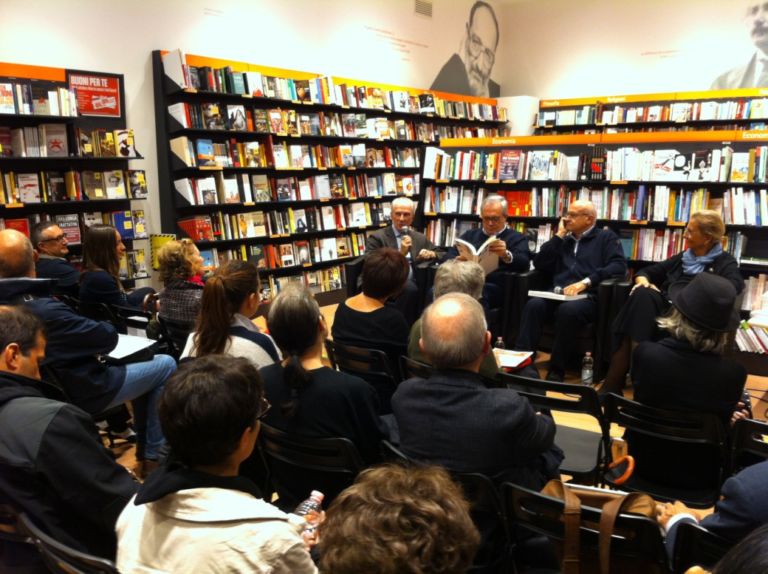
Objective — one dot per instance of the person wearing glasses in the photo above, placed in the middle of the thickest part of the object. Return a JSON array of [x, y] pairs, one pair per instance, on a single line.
[[469, 71], [52, 249], [576, 260], [195, 513], [510, 245]]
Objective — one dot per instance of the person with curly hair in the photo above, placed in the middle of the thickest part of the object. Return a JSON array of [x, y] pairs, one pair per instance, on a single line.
[[181, 268], [399, 520]]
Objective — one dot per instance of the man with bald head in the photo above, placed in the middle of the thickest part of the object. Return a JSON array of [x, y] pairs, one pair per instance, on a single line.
[[575, 260], [454, 420]]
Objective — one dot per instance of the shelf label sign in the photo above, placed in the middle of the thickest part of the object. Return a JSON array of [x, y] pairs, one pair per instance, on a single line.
[[97, 94]]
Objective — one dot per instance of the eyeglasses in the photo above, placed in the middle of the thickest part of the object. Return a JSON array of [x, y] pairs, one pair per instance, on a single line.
[[61, 237], [477, 48], [492, 218], [264, 408], [573, 215]]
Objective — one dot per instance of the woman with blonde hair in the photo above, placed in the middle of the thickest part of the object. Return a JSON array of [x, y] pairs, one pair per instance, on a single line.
[[649, 297], [181, 268]]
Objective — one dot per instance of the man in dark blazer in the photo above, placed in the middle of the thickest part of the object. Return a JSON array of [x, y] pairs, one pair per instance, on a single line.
[[741, 508], [412, 244], [510, 245], [576, 259], [52, 247], [454, 420]]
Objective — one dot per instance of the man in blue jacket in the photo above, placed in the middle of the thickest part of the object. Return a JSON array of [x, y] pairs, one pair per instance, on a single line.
[[51, 244], [576, 259], [75, 344]]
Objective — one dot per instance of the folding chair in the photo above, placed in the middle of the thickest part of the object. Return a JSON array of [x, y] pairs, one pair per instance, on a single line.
[[748, 444], [697, 546]]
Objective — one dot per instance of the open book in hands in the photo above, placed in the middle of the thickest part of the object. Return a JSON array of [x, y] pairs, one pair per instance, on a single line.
[[488, 261]]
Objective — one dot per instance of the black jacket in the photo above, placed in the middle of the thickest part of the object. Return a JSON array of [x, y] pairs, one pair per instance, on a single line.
[[55, 468], [66, 276], [664, 273]]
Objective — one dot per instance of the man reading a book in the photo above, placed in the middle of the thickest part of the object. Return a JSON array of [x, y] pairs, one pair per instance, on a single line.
[[412, 244], [51, 245], [510, 246], [755, 73], [576, 259]]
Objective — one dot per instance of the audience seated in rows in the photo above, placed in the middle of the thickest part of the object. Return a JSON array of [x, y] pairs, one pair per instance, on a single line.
[[51, 245], [577, 258], [311, 399], [366, 320], [54, 465], [397, 520], [649, 297], [75, 344], [181, 268], [103, 249], [454, 420], [412, 244], [511, 246], [195, 514], [455, 276], [231, 297]]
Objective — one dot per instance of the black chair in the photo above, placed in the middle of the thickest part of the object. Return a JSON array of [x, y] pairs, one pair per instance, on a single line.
[[678, 455], [586, 452], [176, 332], [297, 465], [103, 312], [61, 558], [371, 365], [132, 317], [748, 444], [411, 368], [636, 538], [72, 302], [697, 546]]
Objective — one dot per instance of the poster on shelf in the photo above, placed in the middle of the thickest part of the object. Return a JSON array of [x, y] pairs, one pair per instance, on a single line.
[[98, 95]]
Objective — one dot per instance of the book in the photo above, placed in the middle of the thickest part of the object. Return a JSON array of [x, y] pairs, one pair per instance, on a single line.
[[114, 184], [123, 222], [482, 255], [124, 143], [556, 296], [205, 153], [55, 186], [70, 226], [236, 119], [137, 183], [212, 116], [139, 224], [261, 189], [55, 138], [508, 359], [28, 185], [93, 184]]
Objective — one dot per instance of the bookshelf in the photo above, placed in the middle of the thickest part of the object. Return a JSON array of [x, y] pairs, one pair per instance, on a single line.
[[65, 154], [292, 169]]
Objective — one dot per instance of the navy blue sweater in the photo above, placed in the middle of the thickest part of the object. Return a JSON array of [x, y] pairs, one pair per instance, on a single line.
[[517, 245]]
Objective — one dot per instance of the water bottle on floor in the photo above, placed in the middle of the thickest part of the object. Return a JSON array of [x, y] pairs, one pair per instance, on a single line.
[[587, 369]]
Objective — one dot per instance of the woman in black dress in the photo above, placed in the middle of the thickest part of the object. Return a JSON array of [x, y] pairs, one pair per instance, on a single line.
[[649, 298]]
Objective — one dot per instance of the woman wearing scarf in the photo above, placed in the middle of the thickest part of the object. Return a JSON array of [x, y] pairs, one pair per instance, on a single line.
[[649, 298]]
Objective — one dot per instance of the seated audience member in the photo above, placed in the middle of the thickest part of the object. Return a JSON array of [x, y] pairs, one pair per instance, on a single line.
[[51, 245], [181, 268], [74, 346], [650, 298], [311, 399], [687, 372], [398, 520], [195, 514], [455, 277], [54, 465], [100, 282], [413, 244], [748, 557], [231, 298], [738, 512], [510, 245], [577, 259], [365, 320], [454, 420]]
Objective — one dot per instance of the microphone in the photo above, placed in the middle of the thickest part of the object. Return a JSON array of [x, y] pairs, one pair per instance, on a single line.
[[558, 290], [405, 230]]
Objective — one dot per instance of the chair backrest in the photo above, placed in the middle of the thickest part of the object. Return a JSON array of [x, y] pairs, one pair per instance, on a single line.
[[371, 365], [72, 302], [748, 443], [299, 464], [132, 317], [635, 537], [699, 438], [412, 368], [697, 546], [103, 312], [61, 558], [176, 332], [353, 272]]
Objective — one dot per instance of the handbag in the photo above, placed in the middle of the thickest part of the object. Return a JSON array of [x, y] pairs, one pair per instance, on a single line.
[[611, 504]]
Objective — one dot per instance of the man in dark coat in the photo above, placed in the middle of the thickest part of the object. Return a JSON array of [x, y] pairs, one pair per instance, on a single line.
[[51, 244]]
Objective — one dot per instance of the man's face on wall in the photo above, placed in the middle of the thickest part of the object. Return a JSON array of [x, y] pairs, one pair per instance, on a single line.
[[757, 20], [480, 50]]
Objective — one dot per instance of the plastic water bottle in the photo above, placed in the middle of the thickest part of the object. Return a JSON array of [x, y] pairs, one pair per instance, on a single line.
[[499, 344], [310, 509], [587, 369]]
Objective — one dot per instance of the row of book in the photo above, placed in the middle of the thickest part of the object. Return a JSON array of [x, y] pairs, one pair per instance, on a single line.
[[752, 338], [307, 252], [246, 188], [56, 186], [605, 114], [130, 224], [220, 226], [321, 90], [26, 97], [52, 140]]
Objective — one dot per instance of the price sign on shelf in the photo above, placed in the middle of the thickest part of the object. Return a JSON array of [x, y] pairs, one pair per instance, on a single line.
[[97, 94]]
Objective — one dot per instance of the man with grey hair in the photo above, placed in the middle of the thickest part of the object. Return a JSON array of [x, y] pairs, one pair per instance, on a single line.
[[754, 74], [51, 244], [454, 420], [510, 245], [455, 276], [412, 244]]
